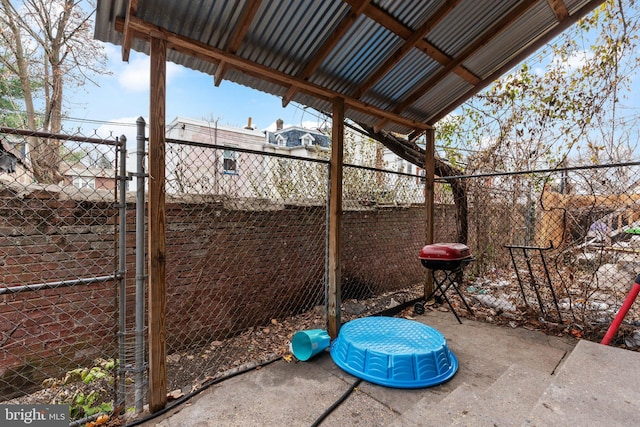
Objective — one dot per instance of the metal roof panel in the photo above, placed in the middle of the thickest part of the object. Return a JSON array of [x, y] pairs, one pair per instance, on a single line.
[[468, 21], [538, 20], [365, 45], [405, 77], [411, 13], [284, 36], [448, 89]]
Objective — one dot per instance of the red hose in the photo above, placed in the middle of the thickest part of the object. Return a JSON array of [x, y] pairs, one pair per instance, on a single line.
[[633, 293]]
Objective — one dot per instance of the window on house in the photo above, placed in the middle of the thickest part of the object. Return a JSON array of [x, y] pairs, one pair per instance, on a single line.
[[422, 178], [230, 162], [282, 141], [84, 182], [307, 140]]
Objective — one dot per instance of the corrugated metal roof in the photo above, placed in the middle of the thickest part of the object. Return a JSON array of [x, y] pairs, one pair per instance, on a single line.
[[313, 51], [366, 45], [537, 20], [468, 21], [410, 13], [404, 77]]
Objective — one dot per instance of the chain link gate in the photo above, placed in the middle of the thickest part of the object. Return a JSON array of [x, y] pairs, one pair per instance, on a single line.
[[61, 279]]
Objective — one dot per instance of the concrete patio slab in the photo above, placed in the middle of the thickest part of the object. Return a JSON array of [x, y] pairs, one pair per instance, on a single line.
[[503, 372]]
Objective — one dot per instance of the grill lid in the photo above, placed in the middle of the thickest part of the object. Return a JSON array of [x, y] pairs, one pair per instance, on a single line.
[[445, 252]]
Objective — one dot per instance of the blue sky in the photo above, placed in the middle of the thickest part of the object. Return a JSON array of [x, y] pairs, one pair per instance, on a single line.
[[123, 96]]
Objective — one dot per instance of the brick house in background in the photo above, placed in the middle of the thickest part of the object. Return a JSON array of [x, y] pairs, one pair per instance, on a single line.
[[83, 177], [236, 168], [297, 141]]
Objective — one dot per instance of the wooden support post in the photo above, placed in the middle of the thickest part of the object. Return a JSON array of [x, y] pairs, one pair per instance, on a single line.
[[156, 229], [429, 198], [335, 218]]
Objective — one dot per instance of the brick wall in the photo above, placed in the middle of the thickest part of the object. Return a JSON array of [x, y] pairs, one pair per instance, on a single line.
[[228, 268], [45, 237]]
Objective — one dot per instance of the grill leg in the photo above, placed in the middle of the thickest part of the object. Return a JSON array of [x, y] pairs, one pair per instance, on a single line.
[[443, 291]]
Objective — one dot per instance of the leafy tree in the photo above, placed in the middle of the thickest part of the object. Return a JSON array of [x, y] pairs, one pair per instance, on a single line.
[[9, 116], [565, 104], [48, 45]]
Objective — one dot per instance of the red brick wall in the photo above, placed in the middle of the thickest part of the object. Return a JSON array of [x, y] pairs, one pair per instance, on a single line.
[[228, 268], [45, 238]]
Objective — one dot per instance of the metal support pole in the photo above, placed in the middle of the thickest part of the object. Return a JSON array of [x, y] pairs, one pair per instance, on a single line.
[[122, 265], [140, 265]]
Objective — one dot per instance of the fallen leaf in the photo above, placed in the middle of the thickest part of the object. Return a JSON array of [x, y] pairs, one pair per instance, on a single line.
[[102, 419], [175, 394], [577, 333]]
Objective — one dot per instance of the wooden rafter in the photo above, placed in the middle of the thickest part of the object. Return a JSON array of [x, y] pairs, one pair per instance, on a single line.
[[240, 32], [127, 36], [409, 44], [559, 9], [208, 53], [474, 47], [357, 6], [392, 24]]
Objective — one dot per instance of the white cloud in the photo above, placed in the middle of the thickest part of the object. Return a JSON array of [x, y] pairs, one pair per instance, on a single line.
[[577, 60], [539, 71], [134, 76]]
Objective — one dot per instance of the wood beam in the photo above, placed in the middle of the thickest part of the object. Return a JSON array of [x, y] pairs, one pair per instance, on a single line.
[[334, 299], [517, 59], [157, 287], [409, 44], [559, 9], [238, 35], [347, 22], [474, 47], [415, 135], [127, 35], [243, 26], [429, 198], [392, 24], [208, 53], [445, 60]]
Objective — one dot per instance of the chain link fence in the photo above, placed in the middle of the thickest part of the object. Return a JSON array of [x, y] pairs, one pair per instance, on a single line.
[[59, 272], [556, 250], [246, 249], [247, 252]]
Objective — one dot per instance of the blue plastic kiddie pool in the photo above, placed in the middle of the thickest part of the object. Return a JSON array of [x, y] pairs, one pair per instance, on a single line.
[[394, 352]]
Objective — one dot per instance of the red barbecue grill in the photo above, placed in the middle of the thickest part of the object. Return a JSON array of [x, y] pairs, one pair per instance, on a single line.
[[450, 258]]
